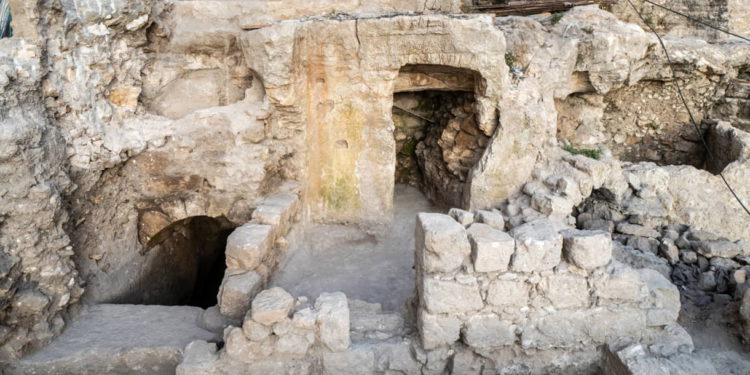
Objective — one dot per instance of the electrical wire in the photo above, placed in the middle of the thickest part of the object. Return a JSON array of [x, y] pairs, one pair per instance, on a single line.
[[687, 107]]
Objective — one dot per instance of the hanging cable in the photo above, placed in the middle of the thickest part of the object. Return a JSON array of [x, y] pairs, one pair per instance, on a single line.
[[687, 107]]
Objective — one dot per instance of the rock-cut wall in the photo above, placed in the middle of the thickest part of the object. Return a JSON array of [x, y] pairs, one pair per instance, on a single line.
[[38, 279]]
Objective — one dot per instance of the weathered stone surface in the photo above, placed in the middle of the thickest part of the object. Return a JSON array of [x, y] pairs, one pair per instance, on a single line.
[[441, 243], [723, 249], [511, 293], [333, 320], [359, 361], [277, 210], [255, 331], [463, 217], [538, 247], [637, 230], [237, 292], [492, 218], [587, 249], [567, 291], [449, 296], [438, 330], [247, 246], [199, 358], [491, 249], [119, 339], [488, 331], [271, 306]]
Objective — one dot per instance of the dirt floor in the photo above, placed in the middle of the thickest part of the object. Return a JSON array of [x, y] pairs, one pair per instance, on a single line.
[[370, 264], [715, 336]]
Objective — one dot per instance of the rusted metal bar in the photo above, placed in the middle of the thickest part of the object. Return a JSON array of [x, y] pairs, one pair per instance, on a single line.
[[519, 7]]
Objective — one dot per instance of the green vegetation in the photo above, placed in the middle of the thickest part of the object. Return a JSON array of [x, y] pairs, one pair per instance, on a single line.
[[556, 17], [649, 22], [593, 154], [408, 148], [510, 59]]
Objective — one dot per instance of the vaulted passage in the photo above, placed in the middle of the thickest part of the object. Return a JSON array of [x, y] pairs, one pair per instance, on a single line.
[[185, 264], [437, 138]]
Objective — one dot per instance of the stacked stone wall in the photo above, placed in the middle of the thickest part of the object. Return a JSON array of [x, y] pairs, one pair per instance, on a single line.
[[518, 299]]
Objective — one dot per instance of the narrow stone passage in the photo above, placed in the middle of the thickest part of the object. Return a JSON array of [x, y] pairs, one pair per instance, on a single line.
[[370, 265]]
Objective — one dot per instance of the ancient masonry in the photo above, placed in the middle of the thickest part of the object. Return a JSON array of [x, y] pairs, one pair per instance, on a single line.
[[534, 184]]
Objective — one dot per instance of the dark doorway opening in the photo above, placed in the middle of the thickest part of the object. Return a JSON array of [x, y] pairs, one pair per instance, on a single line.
[[185, 264], [438, 142]]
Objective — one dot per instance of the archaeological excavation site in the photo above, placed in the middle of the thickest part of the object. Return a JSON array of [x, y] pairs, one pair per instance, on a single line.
[[390, 187]]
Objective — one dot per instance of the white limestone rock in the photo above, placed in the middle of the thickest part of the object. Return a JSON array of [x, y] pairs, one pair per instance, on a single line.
[[508, 293], [566, 290], [538, 247], [448, 296], [488, 331], [494, 219], [491, 249], [587, 249], [272, 306], [236, 293], [463, 217], [333, 320], [198, 358], [441, 243], [438, 330], [247, 246]]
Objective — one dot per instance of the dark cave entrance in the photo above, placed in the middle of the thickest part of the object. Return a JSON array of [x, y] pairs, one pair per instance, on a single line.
[[185, 264], [438, 140]]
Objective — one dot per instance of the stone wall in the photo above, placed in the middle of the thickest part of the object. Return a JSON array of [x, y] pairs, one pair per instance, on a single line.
[[731, 15], [38, 279], [541, 291]]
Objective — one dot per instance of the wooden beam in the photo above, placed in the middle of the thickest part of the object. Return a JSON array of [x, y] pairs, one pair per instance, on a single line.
[[521, 7]]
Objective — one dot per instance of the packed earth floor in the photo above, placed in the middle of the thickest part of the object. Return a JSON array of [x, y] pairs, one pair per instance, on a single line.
[[370, 264]]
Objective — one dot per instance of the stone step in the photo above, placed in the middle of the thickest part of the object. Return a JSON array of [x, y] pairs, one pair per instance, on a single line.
[[119, 339]]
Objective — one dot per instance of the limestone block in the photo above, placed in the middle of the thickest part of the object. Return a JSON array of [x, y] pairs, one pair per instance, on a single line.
[[448, 296], [192, 91], [277, 210], [664, 298], [672, 340], [333, 320], [358, 361], [239, 348], [622, 284], [637, 230], [237, 291], [492, 218], [511, 293], [464, 218], [438, 330], [745, 311], [567, 290], [272, 306], [465, 362], [491, 249], [607, 324], [199, 357], [488, 331], [723, 249], [556, 330], [304, 319], [247, 246], [538, 247], [441, 243], [295, 343], [212, 320], [587, 249], [255, 331]]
